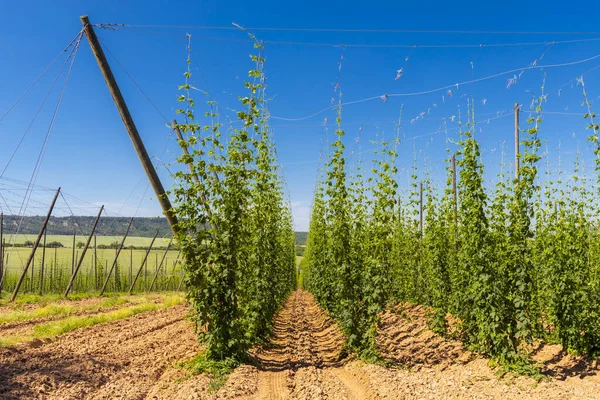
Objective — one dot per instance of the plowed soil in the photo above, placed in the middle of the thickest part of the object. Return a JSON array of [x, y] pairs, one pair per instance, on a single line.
[[135, 358]]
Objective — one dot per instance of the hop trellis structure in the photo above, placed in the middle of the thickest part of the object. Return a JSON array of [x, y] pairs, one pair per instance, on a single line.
[[513, 264]]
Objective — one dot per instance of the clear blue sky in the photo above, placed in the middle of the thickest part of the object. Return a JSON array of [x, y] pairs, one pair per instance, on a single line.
[[89, 153]]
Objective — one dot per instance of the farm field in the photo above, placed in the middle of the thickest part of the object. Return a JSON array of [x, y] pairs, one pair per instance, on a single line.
[[332, 201], [138, 357], [59, 261]]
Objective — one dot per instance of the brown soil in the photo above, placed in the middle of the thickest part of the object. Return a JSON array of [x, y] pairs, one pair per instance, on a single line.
[[135, 359]]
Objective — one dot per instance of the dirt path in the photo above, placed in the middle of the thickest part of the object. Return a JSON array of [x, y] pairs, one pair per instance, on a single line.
[[135, 358], [303, 360]]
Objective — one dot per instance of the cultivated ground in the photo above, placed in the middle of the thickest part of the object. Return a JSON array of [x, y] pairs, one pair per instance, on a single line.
[[136, 357]]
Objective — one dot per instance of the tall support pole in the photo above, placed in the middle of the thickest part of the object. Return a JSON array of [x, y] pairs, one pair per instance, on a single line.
[[454, 189], [160, 265], [421, 209], [516, 141], [143, 263], [42, 266], [87, 245], [35, 246], [128, 122], [116, 257]]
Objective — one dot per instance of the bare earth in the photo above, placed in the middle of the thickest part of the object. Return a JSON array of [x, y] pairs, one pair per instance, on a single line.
[[135, 359]]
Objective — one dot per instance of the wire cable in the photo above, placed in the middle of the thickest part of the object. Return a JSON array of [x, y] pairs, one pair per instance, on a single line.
[[456, 85]]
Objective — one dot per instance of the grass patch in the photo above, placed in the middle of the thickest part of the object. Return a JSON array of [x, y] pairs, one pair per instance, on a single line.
[[218, 371], [55, 309], [68, 324]]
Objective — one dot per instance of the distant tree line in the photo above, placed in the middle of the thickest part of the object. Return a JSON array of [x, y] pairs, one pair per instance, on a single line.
[[107, 226]]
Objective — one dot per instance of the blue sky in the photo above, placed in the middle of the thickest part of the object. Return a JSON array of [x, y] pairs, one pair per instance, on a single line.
[[89, 153]]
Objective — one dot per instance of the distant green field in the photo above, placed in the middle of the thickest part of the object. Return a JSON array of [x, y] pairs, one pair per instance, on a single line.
[[67, 240], [59, 261]]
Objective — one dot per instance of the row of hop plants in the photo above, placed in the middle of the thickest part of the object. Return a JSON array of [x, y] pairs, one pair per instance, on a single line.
[[235, 224], [512, 264]]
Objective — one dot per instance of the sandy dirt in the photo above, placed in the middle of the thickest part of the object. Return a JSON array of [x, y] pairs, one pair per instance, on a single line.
[[135, 359]]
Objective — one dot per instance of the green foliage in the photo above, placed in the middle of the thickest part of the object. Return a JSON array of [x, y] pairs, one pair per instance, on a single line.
[[235, 226], [512, 266]]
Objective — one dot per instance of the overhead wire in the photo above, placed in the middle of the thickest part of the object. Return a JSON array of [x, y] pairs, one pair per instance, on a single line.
[[439, 89], [361, 45], [35, 172], [350, 30], [38, 78]]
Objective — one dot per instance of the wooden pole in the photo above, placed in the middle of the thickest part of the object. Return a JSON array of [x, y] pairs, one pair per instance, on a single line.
[[454, 189], [143, 263], [516, 141], [35, 246], [87, 244], [116, 257], [159, 266], [42, 266], [128, 122]]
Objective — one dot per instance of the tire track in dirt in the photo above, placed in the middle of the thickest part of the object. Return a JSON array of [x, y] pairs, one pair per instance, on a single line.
[[303, 358], [124, 358]]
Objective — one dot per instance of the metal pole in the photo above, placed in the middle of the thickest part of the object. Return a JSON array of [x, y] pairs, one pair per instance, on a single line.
[[143, 262], [87, 244], [128, 122], [516, 141], [159, 266], [116, 257], [42, 266], [35, 246]]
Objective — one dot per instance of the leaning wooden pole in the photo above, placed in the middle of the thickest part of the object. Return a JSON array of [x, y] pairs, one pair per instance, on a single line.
[[143, 263], [116, 257], [87, 245], [35, 246], [160, 265], [128, 122], [517, 141]]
